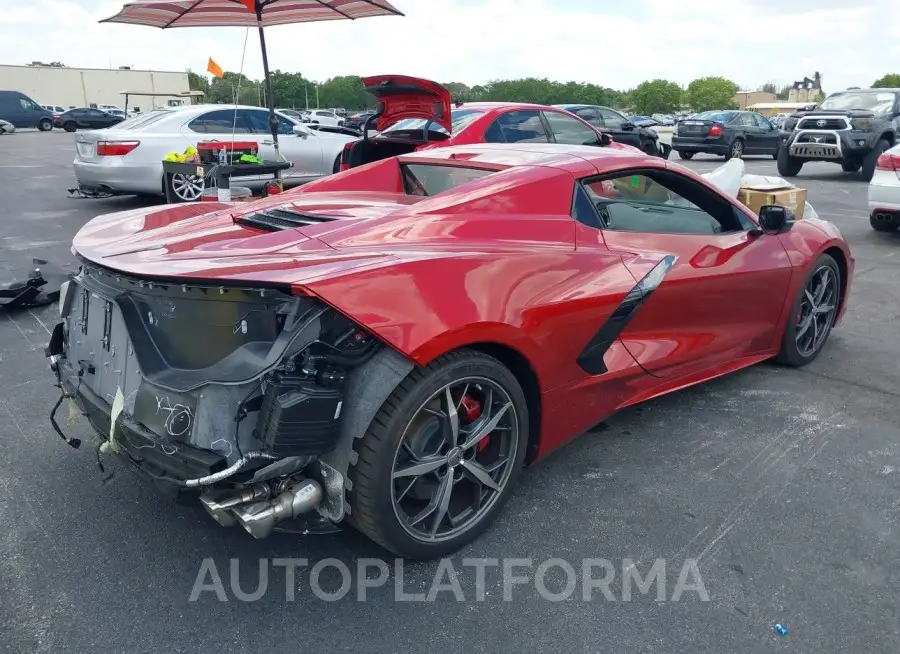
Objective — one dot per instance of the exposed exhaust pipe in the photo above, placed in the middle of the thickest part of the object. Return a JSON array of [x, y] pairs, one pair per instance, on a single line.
[[260, 518], [219, 505]]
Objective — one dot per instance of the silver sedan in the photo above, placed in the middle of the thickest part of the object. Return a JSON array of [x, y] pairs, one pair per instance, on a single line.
[[126, 159]]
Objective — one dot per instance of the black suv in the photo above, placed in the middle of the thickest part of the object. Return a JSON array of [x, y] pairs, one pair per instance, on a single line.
[[851, 128]]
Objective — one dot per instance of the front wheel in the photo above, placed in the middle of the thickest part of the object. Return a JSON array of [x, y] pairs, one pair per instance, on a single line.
[[813, 314], [185, 188], [850, 166], [685, 155], [788, 166], [869, 161], [441, 457], [45, 125]]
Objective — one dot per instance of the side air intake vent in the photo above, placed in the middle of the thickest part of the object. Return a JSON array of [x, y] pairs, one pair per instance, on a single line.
[[280, 218]]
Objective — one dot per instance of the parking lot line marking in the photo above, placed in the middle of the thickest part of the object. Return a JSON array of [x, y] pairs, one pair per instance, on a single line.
[[40, 322], [24, 335]]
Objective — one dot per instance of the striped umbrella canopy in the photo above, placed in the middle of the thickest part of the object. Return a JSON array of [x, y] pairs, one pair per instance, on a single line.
[[248, 13]]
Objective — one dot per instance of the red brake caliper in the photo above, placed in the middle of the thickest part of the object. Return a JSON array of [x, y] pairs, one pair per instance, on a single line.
[[472, 411]]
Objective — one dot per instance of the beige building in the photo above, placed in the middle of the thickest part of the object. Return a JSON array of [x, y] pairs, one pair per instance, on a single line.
[[81, 87], [745, 99]]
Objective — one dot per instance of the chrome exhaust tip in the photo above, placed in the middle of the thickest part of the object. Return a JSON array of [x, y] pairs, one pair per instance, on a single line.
[[259, 518], [219, 505]]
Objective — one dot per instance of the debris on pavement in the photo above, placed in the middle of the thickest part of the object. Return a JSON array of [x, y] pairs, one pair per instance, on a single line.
[[781, 630], [39, 288]]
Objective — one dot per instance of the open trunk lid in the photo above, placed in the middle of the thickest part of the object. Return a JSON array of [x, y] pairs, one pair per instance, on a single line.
[[400, 97]]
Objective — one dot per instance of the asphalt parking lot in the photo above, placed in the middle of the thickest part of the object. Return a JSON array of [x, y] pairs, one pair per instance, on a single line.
[[784, 486]]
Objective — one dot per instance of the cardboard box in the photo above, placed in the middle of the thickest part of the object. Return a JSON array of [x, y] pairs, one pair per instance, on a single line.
[[758, 195]]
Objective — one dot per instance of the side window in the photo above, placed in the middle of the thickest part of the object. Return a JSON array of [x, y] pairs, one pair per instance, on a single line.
[[612, 118], [660, 202], [590, 115], [517, 127], [222, 121], [569, 130], [762, 121], [259, 122], [26, 105], [746, 120]]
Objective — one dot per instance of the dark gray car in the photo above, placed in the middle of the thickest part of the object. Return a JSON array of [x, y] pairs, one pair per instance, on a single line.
[[616, 125], [728, 133]]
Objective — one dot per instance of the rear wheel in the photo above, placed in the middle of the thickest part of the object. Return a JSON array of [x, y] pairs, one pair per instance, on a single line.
[[813, 314], [441, 457], [45, 125], [788, 166], [685, 155], [70, 126], [736, 151], [187, 188], [869, 161]]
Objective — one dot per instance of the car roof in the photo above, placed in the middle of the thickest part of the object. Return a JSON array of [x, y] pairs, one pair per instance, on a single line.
[[488, 106], [581, 158]]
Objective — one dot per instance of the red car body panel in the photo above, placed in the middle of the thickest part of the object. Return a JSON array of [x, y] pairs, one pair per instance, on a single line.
[[401, 97], [499, 260]]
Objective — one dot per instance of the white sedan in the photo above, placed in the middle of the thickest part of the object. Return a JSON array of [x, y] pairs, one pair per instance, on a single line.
[[324, 117], [884, 192], [126, 159]]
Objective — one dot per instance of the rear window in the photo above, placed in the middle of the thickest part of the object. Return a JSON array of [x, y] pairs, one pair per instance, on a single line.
[[459, 118], [429, 179], [142, 120], [721, 116]]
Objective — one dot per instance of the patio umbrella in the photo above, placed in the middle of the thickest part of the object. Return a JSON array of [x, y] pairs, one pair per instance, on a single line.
[[248, 13]]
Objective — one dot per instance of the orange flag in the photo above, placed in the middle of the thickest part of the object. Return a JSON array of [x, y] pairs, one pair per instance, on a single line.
[[214, 68]]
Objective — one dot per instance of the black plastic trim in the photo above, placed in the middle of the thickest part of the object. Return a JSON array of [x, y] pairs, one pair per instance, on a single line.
[[591, 357]]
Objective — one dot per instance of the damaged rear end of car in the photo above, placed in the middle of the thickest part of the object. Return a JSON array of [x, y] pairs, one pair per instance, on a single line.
[[233, 392]]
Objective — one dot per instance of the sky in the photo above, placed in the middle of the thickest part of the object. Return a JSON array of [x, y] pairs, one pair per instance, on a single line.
[[614, 43]]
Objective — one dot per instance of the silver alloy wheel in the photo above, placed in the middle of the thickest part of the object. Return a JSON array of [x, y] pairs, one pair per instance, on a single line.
[[448, 473], [817, 311], [187, 187], [737, 148]]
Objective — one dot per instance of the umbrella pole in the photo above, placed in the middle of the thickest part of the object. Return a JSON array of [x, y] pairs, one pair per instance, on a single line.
[[270, 97]]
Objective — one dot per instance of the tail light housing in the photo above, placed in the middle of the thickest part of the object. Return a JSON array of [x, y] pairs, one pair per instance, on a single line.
[[115, 148], [716, 130], [888, 161]]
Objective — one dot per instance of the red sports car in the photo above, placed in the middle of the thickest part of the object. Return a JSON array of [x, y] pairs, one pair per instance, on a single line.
[[390, 345], [415, 114]]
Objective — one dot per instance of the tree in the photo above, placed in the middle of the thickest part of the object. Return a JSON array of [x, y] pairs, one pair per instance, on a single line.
[[708, 93], [784, 93], [891, 81], [656, 96], [198, 83], [768, 87], [344, 92]]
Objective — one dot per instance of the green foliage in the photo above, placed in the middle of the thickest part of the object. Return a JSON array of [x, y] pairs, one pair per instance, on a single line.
[[711, 93], [891, 81], [656, 96], [769, 88]]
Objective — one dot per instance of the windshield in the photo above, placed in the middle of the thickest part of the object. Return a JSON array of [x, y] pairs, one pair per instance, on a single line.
[[721, 116], [459, 118], [866, 100]]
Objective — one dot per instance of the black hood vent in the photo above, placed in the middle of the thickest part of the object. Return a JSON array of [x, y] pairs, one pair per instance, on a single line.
[[279, 218]]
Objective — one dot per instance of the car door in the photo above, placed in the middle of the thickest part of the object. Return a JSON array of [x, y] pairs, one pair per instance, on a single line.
[[29, 113], [768, 135], [569, 130], [303, 150], [713, 287], [620, 128], [745, 127]]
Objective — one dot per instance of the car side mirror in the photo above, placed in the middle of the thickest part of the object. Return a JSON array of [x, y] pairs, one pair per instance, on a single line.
[[774, 217], [300, 131], [604, 139]]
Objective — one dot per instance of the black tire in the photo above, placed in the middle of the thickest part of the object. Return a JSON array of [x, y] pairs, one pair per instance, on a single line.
[[867, 171], [736, 150], [70, 126], [788, 166], [685, 155], [884, 224], [790, 354], [373, 508], [775, 154], [336, 168], [850, 166], [45, 125]]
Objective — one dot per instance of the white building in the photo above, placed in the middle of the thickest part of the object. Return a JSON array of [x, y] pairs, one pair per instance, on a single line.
[[81, 87]]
